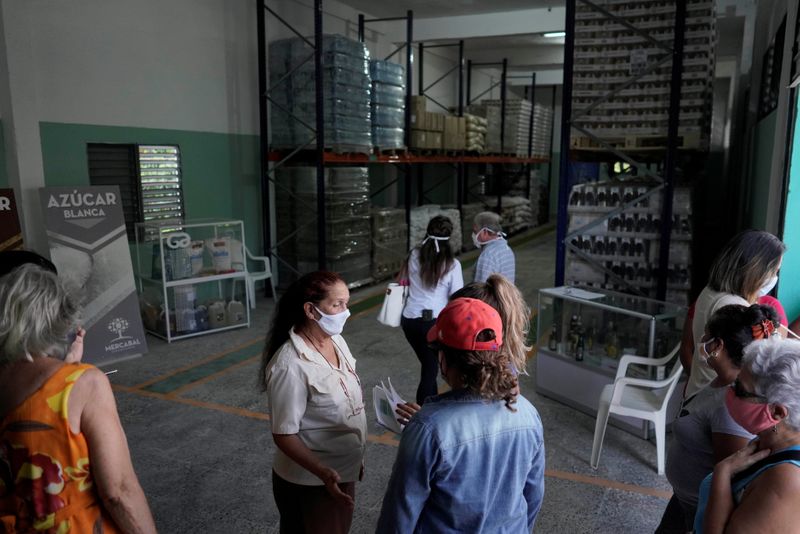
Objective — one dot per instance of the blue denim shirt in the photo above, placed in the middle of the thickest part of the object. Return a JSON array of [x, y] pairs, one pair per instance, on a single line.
[[466, 464]]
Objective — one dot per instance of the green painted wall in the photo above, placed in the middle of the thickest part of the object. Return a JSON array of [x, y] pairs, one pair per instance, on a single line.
[[763, 143], [789, 287], [3, 162], [220, 171]]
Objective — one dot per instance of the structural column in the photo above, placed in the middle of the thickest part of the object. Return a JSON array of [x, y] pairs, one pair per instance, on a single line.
[[20, 121]]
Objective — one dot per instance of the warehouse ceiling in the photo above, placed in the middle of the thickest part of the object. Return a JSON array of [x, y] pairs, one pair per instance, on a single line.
[[444, 8]]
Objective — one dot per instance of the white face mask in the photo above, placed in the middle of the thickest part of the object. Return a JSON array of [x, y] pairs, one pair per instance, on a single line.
[[332, 324], [767, 287], [475, 241]]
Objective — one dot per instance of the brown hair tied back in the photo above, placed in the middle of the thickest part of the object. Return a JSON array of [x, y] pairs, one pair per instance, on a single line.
[[485, 373]]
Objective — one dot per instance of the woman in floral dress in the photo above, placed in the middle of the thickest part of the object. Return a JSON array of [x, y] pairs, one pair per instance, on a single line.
[[64, 461]]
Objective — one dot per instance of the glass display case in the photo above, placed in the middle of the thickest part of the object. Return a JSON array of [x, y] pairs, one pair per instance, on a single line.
[[186, 277], [584, 332]]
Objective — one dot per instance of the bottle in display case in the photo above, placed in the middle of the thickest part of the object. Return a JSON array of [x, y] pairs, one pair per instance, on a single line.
[[590, 331], [612, 341], [552, 343]]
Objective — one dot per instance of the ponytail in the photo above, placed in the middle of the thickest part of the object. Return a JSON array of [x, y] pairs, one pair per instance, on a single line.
[[499, 293], [515, 315]]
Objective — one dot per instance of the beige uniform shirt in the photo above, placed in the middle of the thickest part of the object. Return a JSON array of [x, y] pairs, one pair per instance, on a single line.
[[323, 405]]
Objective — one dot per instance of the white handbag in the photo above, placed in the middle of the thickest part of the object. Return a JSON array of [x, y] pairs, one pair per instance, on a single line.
[[393, 304]]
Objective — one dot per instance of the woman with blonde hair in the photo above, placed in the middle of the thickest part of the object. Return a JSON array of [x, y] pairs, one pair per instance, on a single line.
[[746, 269], [504, 297], [64, 460]]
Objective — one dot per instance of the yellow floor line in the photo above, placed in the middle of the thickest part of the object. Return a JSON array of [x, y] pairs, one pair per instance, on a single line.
[[212, 376], [605, 483], [193, 402], [391, 440], [199, 362]]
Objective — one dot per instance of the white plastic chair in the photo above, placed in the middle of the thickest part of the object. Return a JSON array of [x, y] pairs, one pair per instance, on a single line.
[[640, 398], [252, 277]]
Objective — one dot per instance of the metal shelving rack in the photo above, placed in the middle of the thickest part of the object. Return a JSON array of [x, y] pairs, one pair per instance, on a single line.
[[406, 166], [313, 151], [664, 182], [503, 83]]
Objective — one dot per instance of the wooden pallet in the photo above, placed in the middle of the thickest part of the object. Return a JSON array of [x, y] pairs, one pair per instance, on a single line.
[[690, 141], [393, 152]]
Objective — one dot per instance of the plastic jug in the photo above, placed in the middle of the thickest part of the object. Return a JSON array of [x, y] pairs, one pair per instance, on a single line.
[[236, 312], [217, 317], [201, 318]]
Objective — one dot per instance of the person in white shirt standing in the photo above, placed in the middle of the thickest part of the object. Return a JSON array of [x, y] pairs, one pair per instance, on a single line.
[[496, 256], [433, 275]]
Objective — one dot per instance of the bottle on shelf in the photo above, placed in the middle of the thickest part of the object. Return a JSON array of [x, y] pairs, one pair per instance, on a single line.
[[552, 343], [590, 335], [573, 335], [580, 347], [612, 341]]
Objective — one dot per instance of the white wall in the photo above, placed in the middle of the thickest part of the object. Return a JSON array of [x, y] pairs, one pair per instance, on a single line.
[[182, 64]]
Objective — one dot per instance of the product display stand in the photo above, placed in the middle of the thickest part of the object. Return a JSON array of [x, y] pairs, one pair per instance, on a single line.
[[584, 332], [177, 268]]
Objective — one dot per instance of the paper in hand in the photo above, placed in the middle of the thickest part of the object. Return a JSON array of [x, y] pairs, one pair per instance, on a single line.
[[385, 400]]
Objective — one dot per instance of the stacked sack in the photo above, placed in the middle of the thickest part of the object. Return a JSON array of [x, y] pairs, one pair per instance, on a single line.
[[346, 94], [477, 127], [517, 214], [421, 216], [388, 104]]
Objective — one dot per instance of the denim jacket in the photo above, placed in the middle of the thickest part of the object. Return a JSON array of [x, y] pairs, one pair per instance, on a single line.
[[466, 464]]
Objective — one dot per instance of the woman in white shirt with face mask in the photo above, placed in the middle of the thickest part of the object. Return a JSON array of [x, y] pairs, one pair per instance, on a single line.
[[746, 269], [316, 406]]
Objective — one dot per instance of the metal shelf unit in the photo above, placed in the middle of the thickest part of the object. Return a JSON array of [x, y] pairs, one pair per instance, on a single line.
[[636, 158], [313, 152]]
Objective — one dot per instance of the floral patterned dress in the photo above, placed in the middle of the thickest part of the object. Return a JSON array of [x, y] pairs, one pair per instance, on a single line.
[[45, 479]]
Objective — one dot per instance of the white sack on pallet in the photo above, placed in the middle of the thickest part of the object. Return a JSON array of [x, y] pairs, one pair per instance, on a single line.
[[421, 216]]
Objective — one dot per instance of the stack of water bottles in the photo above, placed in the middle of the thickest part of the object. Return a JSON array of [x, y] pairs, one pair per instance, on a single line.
[[388, 104], [345, 93]]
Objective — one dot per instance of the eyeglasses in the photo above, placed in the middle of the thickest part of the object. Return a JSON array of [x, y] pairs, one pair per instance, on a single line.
[[742, 393]]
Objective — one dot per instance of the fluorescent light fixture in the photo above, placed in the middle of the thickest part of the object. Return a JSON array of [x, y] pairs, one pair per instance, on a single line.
[[551, 35]]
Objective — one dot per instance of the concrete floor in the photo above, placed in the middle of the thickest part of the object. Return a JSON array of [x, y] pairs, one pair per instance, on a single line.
[[199, 433]]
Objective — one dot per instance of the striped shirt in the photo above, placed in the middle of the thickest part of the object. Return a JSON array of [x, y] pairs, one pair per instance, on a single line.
[[496, 257]]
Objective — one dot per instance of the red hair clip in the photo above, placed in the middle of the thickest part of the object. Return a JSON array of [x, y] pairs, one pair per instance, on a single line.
[[763, 330]]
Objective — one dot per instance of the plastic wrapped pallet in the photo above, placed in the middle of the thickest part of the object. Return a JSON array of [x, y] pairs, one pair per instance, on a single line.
[[388, 105], [348, 229], [387, 72], [346, 94], [421, 216]]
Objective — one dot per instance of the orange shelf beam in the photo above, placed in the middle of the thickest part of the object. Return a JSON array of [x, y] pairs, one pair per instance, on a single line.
[[362, 159]]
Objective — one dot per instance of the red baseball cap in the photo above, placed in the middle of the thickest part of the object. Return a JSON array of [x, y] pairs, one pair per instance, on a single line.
[[460, 322]]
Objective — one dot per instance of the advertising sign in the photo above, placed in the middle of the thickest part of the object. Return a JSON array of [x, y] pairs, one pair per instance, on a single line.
[[89, 247], [10, 232]]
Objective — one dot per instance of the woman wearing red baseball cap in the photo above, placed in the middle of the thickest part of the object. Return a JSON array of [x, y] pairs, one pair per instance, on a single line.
[[481, 428]]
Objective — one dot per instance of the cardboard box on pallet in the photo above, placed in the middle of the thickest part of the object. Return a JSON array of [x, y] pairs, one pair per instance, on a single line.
[[418, 113], [426, 139], [432, 122], [419, 139], [455, 133]]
